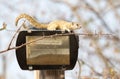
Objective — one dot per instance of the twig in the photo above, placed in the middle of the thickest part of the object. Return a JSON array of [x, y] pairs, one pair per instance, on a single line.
[[15, 35], [74, 10], [112, 64], [80, 68], [105, 59], [31, 42], [111, 4], [3, 26], [98, 15], [100, 54], [110, 9], [86, 34], [97, 73]]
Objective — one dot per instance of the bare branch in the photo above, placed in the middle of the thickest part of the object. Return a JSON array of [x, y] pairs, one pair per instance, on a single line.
[[15, 35], [80, 70], [98, 15], [50, 36], [97, 73], [3, 26]]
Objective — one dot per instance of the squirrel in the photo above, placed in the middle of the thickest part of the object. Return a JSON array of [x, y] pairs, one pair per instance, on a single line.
[[54, 25]]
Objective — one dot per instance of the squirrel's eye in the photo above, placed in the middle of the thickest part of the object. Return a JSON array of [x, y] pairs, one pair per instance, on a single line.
[[77, 24], [72, 23]]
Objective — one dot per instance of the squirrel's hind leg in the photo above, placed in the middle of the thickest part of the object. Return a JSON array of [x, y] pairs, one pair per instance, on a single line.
[[53, 27], [65, 29]]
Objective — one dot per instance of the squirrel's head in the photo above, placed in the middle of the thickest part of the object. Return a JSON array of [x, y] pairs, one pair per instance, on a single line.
[[75, 25]]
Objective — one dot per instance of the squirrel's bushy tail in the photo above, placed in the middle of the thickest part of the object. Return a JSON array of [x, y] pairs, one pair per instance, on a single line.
[[32, 21]]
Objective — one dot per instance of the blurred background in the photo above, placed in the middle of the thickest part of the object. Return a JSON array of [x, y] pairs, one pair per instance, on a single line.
[[99, 55]]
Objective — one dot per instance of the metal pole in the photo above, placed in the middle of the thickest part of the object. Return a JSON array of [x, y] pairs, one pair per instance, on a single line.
[[49, 74], [36, 74]]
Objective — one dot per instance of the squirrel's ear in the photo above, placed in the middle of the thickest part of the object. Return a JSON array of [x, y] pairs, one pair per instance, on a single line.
[[72, 23]]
